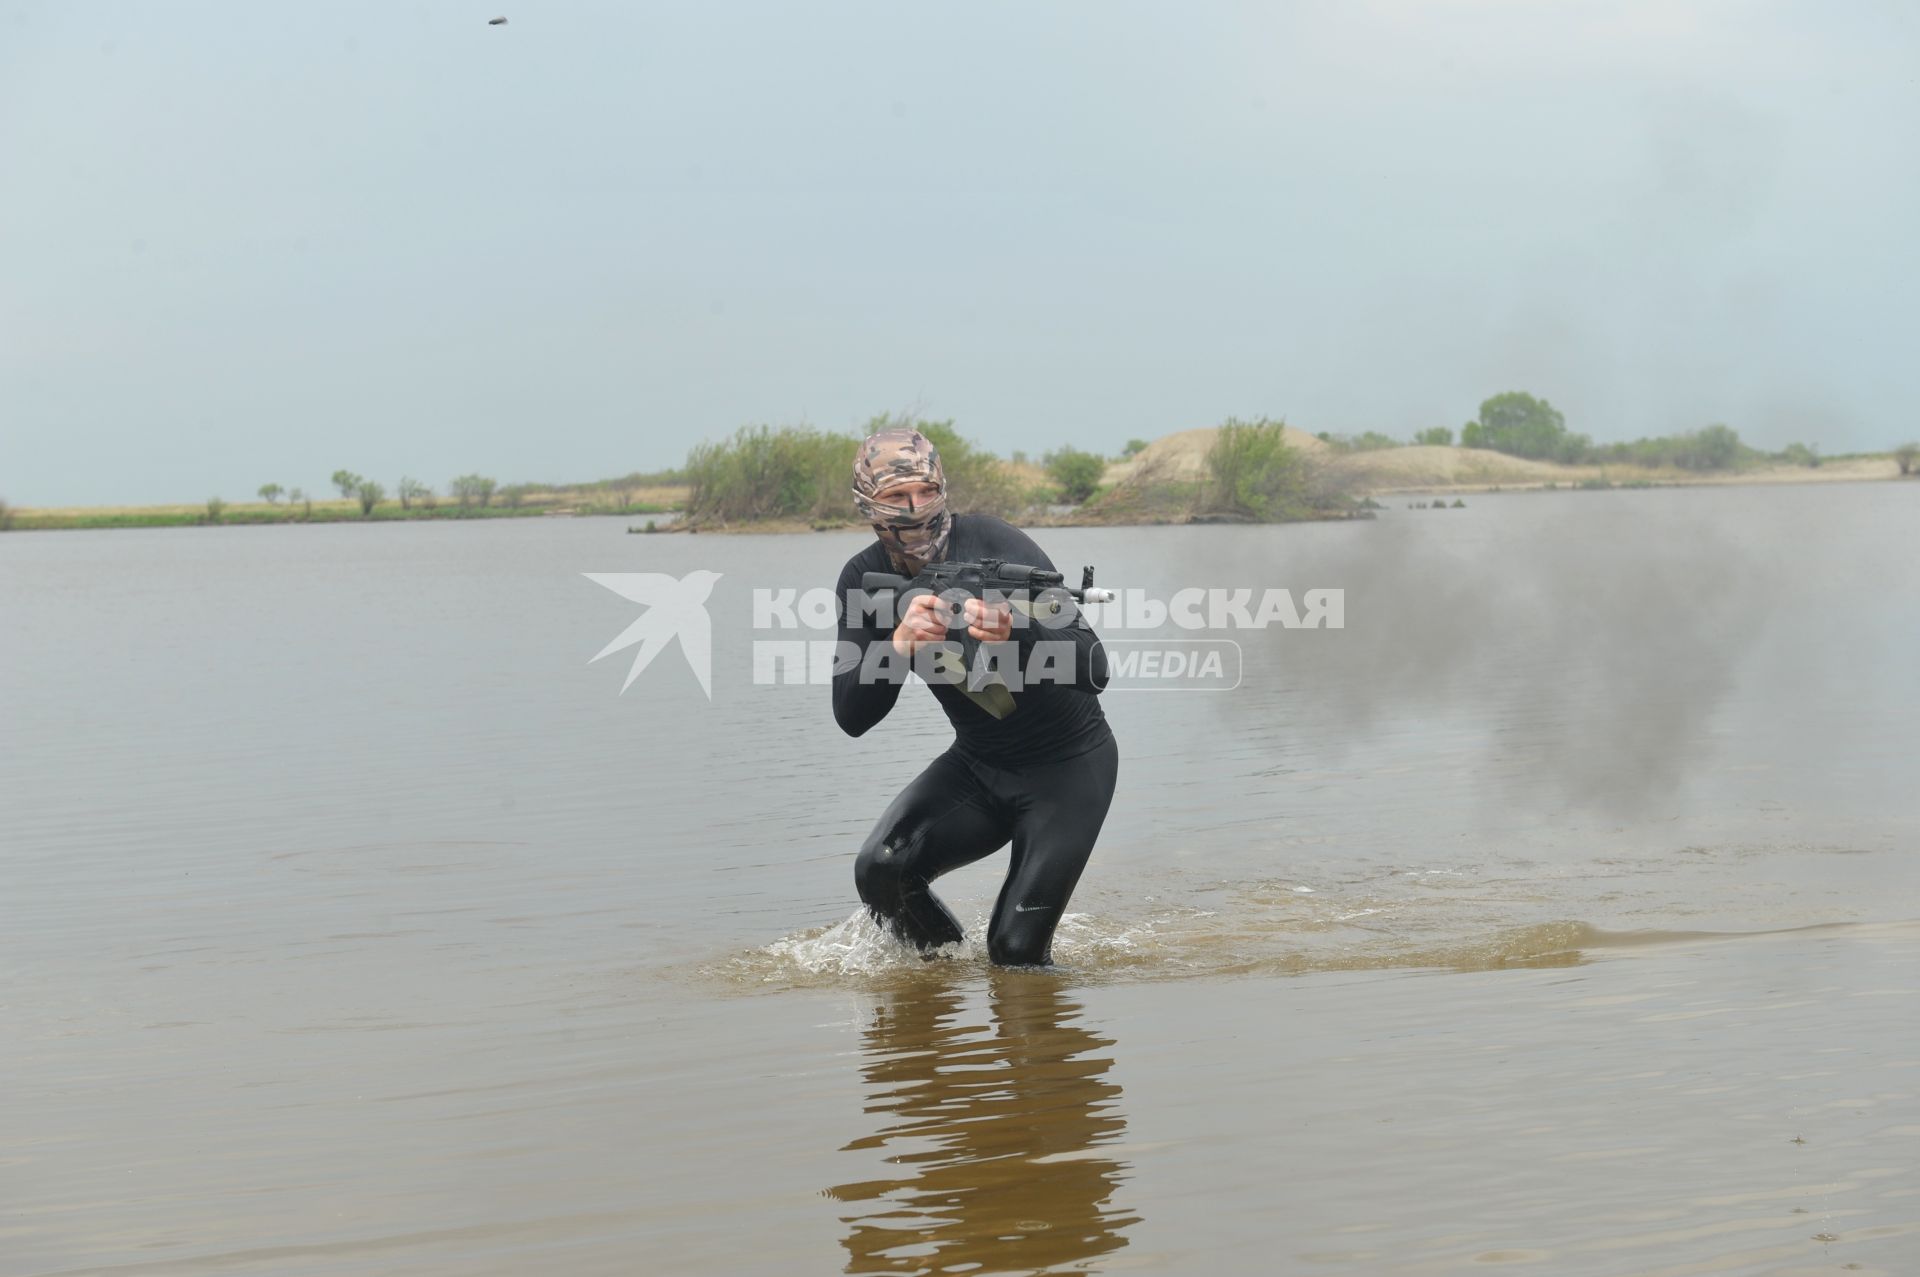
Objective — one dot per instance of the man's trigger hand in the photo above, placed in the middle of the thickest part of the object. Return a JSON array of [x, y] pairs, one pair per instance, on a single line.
[[989, 622], [925, 622]]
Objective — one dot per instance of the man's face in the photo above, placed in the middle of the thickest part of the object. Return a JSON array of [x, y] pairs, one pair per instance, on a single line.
[[910, 517], [915, 495]]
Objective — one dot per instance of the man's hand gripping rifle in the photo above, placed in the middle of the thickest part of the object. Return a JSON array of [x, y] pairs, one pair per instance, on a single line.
[[1039, 593]]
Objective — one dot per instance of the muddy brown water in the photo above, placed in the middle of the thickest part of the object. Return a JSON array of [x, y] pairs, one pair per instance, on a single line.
[[1558, 914]]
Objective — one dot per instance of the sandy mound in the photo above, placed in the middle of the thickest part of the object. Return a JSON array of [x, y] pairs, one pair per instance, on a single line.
[[1426, 466], [1183, 455]]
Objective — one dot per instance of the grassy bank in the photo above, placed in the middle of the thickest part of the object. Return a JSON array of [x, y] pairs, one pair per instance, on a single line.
[[795, 474], [791, 478], [537, 504], [768, 479]]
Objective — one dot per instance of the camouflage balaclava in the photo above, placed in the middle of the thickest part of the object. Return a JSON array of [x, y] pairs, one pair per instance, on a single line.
[[915, 533]]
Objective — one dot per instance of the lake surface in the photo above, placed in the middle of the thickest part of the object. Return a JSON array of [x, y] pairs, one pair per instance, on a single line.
[[1560, 913]]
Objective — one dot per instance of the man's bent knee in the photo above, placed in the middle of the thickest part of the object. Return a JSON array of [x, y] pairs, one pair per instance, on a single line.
[[878, 873]]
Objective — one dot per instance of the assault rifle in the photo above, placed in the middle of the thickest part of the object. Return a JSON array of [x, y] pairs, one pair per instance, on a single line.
[[1040, 593]]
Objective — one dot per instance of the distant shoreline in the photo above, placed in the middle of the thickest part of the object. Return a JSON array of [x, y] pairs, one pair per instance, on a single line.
[[648, 503], [1390, 472], [1380, 476]]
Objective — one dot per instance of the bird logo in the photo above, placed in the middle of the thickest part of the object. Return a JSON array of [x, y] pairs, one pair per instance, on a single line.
[[676, 608]]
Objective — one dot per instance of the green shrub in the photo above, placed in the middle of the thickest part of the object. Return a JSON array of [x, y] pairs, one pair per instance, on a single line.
[[1713, 448], [1077, 473], [765, 473], [1437, 437], [797, 472], [1252, 473], [1370, 441]]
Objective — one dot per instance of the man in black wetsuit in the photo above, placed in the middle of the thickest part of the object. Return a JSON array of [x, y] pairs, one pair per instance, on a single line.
[[1039, 774]]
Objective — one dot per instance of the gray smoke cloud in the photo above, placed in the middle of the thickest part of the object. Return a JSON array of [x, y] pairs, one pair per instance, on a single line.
[[1586, 654]]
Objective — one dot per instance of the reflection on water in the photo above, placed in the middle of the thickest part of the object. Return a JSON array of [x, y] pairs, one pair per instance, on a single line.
[[994, 1130]]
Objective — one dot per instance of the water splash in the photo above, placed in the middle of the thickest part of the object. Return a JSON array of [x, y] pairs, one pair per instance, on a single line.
[[1458, 918], [855, 947], [1177, 944], [859, 950]]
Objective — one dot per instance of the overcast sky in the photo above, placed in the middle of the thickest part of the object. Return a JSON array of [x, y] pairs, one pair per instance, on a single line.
[[245, 243]]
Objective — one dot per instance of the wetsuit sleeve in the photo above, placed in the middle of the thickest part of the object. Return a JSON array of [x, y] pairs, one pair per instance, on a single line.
[[863, 689], [1089, 657]]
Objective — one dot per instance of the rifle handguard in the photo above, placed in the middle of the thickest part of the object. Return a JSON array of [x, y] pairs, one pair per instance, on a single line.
[[1036, 590]]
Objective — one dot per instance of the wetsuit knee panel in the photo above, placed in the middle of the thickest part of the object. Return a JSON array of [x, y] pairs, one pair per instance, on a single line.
[[879, 869]]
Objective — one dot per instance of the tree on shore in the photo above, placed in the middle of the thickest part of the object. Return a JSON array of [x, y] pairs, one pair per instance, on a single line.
[[1133, 449], [215, 508], [348, 482], [270, 493], [1521, 426], [1907, 455], [298, 497], [6, 515], [1715, 448], [369, 494], [471, 488], [411, 490], [1436, 437]]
